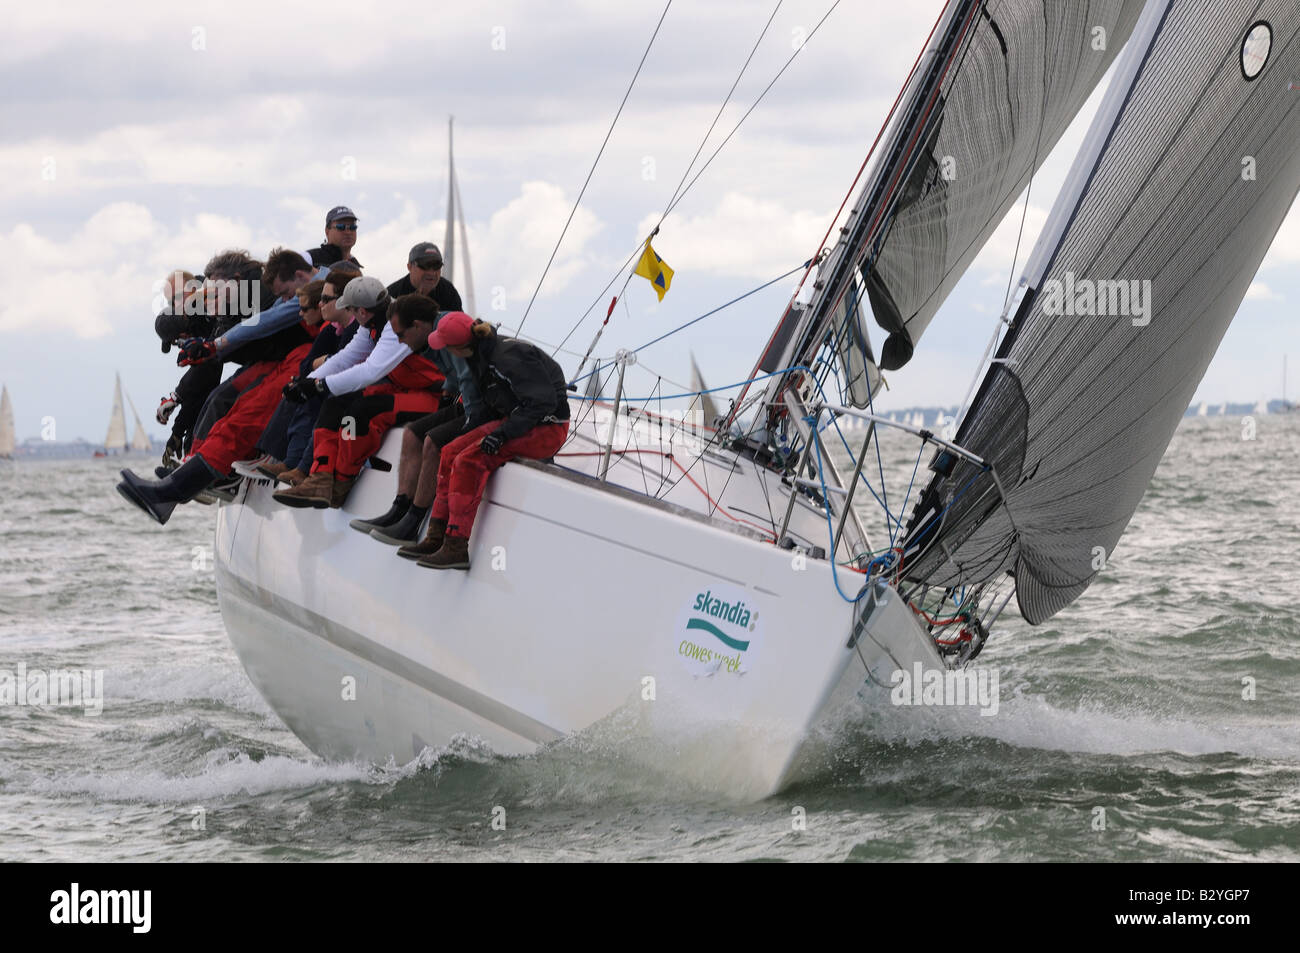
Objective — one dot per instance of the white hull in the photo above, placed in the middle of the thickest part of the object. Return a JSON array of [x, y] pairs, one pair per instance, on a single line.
[[577, 606]]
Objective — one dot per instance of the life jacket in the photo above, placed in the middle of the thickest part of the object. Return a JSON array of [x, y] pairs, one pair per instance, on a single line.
[[416, 372]]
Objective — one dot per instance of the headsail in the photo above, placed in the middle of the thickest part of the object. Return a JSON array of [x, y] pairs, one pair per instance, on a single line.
[[1185, 176], [116, 436], [997, 86], [7, 436], [139, 439]]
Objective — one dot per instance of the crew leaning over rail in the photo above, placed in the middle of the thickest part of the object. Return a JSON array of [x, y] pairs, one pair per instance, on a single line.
[[392, 386], [519, 382], [286, 443], [274, 341], [417, 469]]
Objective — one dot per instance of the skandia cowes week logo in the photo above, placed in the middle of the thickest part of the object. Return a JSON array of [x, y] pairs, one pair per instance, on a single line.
[[718, 631]]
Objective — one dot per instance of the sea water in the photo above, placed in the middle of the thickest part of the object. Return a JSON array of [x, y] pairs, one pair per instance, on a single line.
[[1157, 718]]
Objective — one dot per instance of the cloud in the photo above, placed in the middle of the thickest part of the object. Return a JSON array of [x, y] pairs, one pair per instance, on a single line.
[[1258, 291], [741, 236]]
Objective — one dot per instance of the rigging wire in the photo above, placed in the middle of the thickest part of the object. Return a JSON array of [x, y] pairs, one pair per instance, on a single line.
[[682, 193], [592, 172]]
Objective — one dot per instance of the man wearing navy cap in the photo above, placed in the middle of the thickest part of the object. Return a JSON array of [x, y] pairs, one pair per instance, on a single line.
[[340, 236]]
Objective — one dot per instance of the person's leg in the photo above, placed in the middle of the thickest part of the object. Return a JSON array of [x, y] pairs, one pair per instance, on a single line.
[[467, 479], [336, 417], [437, 439]]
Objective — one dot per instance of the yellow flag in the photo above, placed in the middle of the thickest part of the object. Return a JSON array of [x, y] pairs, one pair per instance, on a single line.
[[654, 268]]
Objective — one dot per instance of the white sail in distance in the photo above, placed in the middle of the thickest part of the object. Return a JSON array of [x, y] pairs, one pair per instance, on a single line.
[[116, 436], [139, 439], [7, 436], [464, 282]]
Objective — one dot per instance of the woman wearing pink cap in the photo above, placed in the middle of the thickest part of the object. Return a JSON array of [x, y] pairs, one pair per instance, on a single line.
[[519, 383]]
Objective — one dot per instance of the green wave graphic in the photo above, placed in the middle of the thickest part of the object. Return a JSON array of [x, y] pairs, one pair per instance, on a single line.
[[713, 630]]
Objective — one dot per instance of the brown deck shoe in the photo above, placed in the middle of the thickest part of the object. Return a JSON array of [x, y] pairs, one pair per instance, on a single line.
[[313, 491], [454, 554], [431, 543], [292, 477], [272, 468], [340, 489]]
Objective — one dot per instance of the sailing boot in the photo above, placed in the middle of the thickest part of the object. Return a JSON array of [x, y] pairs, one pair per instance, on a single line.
[[340, 489], [291, 477], [313, 491], [454, 554], [158, 499], [431, 543], [401, 503], [404, 531]]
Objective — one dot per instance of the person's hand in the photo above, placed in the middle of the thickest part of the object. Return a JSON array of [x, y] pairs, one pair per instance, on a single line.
[[165, 408], [492, 443], [319, 361], [195, 351], [301, 390]]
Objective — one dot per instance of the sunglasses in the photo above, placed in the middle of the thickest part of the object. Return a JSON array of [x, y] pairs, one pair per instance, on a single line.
[[345, 228], [326, 299], [429, 265]]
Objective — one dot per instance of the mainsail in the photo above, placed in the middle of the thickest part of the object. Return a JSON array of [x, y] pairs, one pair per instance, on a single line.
[[7, 437], [116, 438], [456, 219], [1186, 174], [706, 408], [997, 86]]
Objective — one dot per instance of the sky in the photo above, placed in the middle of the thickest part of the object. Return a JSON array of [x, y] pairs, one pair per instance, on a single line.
[[136, 138]]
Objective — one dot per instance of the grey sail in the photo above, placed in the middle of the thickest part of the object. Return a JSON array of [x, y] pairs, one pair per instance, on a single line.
[[7, 436], [997, 86], [1187, 172], [115, 439]]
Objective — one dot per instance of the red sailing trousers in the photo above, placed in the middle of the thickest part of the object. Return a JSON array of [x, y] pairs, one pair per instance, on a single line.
[[234, 436], [463, 469], [350, 430]]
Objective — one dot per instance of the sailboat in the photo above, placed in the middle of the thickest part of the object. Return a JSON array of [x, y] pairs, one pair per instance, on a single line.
[[7, 435], [728, 599], [115, 441]]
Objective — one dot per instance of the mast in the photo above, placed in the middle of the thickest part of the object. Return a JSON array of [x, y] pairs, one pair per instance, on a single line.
[[115, 439], [449, 236]]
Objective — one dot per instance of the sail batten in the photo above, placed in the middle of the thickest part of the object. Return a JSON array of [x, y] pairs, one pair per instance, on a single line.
[[1183, 180]]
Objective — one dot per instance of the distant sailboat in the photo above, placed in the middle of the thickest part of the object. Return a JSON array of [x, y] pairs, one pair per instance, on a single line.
[[456, 217], [115, 439], [1203, 410], [6, 425]]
